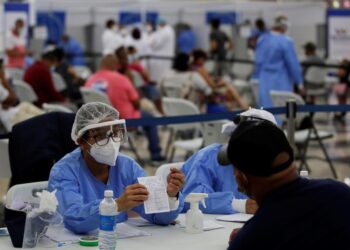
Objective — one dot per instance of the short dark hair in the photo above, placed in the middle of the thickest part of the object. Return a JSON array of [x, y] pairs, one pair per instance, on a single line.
[[131, 49], [59, 54], [199, 54], [110, 23], [260, 23], [19, 20], [136, 33], [49, 56], [215, 23], [181, 62]]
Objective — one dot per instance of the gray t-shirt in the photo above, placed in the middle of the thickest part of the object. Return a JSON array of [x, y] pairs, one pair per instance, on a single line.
[[220, 38]]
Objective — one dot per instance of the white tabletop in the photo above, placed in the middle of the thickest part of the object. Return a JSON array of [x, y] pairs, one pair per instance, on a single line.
[[164, 237]]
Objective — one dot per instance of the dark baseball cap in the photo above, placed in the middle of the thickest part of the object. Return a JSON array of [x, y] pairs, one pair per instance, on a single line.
[[255, 146], [251, 114]]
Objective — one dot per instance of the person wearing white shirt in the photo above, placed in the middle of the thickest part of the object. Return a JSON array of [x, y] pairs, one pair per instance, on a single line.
[[111, 40], [162, 43], [16, 46]]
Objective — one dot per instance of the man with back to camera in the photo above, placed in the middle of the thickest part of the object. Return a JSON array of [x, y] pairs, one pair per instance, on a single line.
[[206, 172], [276, 63], [294, 212]]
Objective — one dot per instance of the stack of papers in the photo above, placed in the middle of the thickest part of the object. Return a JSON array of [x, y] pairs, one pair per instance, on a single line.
[[62, 235], [239, 217]]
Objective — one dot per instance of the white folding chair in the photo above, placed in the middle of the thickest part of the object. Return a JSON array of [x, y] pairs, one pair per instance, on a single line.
[[137, 79], [164, 170], [304, 136], [212, 132], [5, 169], [92, 95], [58, 81], [176, 107], [171, 88], [25, 192], [24, 91], [14, 73], [315, 81], [82, 71], [49, 107], [242, 70]]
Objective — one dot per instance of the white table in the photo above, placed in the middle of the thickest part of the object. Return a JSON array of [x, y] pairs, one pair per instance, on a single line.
[[168, 237]]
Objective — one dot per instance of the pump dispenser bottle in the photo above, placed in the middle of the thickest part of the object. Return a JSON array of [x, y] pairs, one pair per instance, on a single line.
[[194, 216]]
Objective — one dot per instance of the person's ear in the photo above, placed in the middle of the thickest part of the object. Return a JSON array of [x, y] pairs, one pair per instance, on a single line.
[[241, 180]]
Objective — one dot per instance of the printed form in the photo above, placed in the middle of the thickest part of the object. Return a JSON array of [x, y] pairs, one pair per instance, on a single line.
[[157, 201]]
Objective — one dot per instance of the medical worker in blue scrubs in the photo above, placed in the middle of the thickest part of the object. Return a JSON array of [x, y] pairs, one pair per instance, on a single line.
[[207, 172], [81, 177], [73, 50], [276, 63]]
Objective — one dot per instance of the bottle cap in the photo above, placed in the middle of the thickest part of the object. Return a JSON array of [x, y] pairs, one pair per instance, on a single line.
[[88, 241], [109, 193], [304, 173]]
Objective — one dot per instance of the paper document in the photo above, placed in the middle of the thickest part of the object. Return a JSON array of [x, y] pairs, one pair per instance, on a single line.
[[207, 224], [157, 201], [239, 217], [139, 222], [62, 235]]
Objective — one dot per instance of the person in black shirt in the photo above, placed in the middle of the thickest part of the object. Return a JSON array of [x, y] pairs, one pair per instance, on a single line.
[[294, 212], [218, 46]]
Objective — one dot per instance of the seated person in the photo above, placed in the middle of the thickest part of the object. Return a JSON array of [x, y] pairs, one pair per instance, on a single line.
[[226, 96], [206, 172], [193, 86], [81, 177], [125, 98], [294, 212], [10, 112], [39, 77], [130, 67]]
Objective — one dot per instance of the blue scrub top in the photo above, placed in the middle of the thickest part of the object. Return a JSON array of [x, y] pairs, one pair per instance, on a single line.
[[79, 193], [74, 52], [205, 175], [276, 66], [186, 41]]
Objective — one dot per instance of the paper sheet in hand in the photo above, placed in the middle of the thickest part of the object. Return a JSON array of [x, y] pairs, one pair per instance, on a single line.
[[60, 234], [157, 201], [207, 224], [238, 217]]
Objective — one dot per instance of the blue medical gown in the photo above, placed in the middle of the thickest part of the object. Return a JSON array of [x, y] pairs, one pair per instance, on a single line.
[[79, 193], [205, 175], [73, 51], [277, 66]]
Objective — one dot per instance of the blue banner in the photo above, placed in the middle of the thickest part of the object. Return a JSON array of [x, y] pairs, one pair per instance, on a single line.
[[134, 17], [55, 22], [225, 17]]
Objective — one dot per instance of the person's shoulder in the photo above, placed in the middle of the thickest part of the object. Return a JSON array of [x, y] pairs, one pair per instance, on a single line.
[[70, 163], [330, 185]]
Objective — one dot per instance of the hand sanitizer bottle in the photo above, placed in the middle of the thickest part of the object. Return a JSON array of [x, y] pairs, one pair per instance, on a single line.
[[194, 216]]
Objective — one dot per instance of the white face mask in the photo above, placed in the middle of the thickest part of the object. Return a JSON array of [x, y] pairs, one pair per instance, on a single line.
[[105, 154]]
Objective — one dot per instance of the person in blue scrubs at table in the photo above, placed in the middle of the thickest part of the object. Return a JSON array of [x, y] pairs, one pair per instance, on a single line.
[[73, 50], [81, 176], [276, 63], [207, 172]]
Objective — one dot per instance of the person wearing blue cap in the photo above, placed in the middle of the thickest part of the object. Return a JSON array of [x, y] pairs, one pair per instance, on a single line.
[[294, 212], [276, 63]]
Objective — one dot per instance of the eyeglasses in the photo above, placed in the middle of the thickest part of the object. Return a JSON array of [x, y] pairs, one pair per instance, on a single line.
[[102, 138]]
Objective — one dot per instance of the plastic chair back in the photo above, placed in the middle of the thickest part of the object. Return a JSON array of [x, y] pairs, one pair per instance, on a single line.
[[14, 74], [164, 170], [5, 168], [212, 132], [92, 95], [82, 71], [242, 70], [49, 107], [24, 91], [58, 81]]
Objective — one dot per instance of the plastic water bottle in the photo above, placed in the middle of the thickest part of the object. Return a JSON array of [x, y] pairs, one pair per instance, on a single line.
[[107, 234]]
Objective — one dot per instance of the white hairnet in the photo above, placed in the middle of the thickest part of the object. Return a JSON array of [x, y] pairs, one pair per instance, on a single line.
[[91, 113]]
